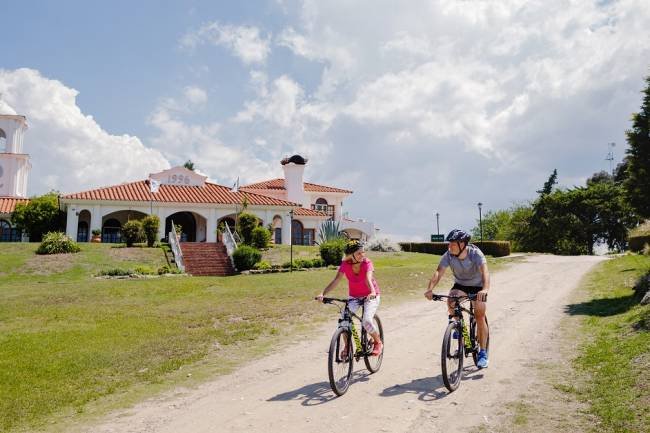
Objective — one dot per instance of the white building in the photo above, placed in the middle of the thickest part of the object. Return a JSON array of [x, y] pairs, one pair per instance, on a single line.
[[14, 173], [187, 198]]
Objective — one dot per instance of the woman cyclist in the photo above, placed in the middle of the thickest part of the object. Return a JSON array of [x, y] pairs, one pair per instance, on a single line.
[[362, 288]]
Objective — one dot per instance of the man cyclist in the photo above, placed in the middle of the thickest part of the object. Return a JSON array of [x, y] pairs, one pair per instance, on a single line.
[[471, 276]]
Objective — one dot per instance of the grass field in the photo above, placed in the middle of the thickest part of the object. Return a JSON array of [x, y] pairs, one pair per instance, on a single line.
[[612, 370], [72, 344]]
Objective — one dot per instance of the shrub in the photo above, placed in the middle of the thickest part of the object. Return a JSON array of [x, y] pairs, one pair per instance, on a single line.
[[166, 269], [143, 270], [150, 225], [39, 216], [116, 272], [262, 265], [96, 232], [332, 252], [318, 262], [245, 224], [384, 245], [57, 243], [303, 263], [132, 232], [245, 257], [260, 237], [287, 265], [328, 231], [637, 243]]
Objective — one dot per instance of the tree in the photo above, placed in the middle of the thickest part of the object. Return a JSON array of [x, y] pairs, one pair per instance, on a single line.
[[245, 225], [39, 216], [601, 176], [548, 185], [496, 226], [637, 182], [132, 232], [189, 165], [150, 225]]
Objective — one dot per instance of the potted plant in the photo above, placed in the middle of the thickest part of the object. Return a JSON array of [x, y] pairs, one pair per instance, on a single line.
[[97, 236]]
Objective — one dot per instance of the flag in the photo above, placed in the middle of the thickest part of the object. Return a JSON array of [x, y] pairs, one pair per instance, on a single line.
[[154, 185], [235, 187]]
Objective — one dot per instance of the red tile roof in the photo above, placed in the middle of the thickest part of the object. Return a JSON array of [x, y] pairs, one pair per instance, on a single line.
[[8, 204], [279, 184], [309, 212], [210, 193]]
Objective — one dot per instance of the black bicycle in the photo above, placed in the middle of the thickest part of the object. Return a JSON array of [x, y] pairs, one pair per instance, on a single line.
[[458, 342], [347, 346]]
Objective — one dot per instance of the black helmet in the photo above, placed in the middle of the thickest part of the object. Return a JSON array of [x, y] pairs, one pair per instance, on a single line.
[[457, 235], [353, 246]]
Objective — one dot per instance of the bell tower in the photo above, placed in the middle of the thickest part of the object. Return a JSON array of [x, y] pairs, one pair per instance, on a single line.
[[14, 164]]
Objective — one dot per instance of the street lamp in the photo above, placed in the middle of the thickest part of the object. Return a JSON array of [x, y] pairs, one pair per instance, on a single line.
[[438, 223], [291, 242], [480, 219], [610, 156]]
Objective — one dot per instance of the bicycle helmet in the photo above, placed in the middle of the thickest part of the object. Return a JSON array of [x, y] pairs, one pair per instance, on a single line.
[[352, 247], [457, 235]]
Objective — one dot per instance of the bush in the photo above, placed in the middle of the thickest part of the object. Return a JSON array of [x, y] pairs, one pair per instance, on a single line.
[[490, 248], [116, 272], [166, 269], [132, 232], [245, 224], [287, 265], [143, 270], [303, 263], [637, 243], [332, 252], [260, 237], [262, 265], [57, 243], [96, 232], [150, 225], [384, 245], [318, 262], [245, 257], [39, 216]]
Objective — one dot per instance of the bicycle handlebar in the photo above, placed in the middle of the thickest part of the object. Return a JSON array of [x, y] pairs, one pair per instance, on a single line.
[[471, 297], [330, 300]]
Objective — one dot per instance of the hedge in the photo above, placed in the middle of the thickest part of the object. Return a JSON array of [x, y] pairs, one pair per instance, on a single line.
[[490, 248], [637, 242]]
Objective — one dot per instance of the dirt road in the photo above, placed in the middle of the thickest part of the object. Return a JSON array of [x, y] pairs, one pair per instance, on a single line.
[[288, 391]]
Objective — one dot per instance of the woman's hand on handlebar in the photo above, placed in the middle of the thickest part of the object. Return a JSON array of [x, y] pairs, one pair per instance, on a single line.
[[429, 294], [319, 297]]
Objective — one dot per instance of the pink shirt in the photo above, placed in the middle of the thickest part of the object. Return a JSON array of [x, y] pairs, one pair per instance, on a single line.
[[357, 282]]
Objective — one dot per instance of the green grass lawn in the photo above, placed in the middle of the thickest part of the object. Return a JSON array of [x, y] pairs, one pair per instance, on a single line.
[[75, 345], [613, 365]]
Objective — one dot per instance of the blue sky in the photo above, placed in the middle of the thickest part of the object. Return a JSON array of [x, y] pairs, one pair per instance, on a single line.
[[429, 107]]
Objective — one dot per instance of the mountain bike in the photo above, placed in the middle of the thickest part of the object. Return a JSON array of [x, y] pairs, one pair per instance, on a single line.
[[458, 342], [347, 346]]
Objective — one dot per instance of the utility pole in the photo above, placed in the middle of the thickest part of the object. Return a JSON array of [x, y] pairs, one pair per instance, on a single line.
[[610, 156]]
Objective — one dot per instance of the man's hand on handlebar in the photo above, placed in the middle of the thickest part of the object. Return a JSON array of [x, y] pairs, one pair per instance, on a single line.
[[482, 296]]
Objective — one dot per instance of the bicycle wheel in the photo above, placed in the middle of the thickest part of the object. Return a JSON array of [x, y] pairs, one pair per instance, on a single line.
[[452, 356], [339, 363], [373, 363], [474, 336]]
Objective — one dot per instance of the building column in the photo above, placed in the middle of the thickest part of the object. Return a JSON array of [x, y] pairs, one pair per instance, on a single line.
[[95, 219], [211, 229], [286, 229], [72, 223]]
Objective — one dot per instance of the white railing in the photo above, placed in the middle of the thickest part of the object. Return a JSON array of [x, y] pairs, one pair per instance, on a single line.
[[230, 242], [176, 248]]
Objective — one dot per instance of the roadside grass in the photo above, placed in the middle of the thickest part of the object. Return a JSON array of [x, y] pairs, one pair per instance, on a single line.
[[72, 345], [613, 364], [641, 230]]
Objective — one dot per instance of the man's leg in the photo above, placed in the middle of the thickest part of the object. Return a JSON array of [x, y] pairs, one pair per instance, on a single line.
[[452, 302], [481, 325]]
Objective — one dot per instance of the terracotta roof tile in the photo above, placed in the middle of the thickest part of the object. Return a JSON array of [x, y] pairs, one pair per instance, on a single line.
[[210, 193], [309, 212], [8, 204], [278, 184]]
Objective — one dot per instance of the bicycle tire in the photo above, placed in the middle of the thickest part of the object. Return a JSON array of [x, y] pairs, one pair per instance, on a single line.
[[474, 337], [338, 369], [373, 363], [451, 356]]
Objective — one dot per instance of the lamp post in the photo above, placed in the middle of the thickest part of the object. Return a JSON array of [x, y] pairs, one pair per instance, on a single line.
[[610, 156], [291, 241], [437, 223], [480, 219]]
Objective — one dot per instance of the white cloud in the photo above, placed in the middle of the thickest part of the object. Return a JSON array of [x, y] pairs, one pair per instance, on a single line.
[[244, 42], [195, 95], [69, 150]]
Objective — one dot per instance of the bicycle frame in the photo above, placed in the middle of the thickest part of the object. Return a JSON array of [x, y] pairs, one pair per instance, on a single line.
[[347, 322], [459, 309]]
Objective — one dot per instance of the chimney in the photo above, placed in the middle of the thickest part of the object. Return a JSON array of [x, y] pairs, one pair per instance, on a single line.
[[294, 168]]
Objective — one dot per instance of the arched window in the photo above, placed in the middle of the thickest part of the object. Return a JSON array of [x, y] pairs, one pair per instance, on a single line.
[[7, 233], [322, 205], [296, 232], [3, 141], [111, 231]]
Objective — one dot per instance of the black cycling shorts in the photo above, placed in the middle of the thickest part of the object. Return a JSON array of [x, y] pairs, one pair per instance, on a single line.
[[470, 290]]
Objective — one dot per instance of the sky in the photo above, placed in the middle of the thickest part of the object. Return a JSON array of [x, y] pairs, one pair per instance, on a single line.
[[419, 107]]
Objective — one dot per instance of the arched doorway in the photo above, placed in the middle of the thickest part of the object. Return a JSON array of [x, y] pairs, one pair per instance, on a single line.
[[7, 233], [277, 229], [83, 226], [297, 232], [187, 221]]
